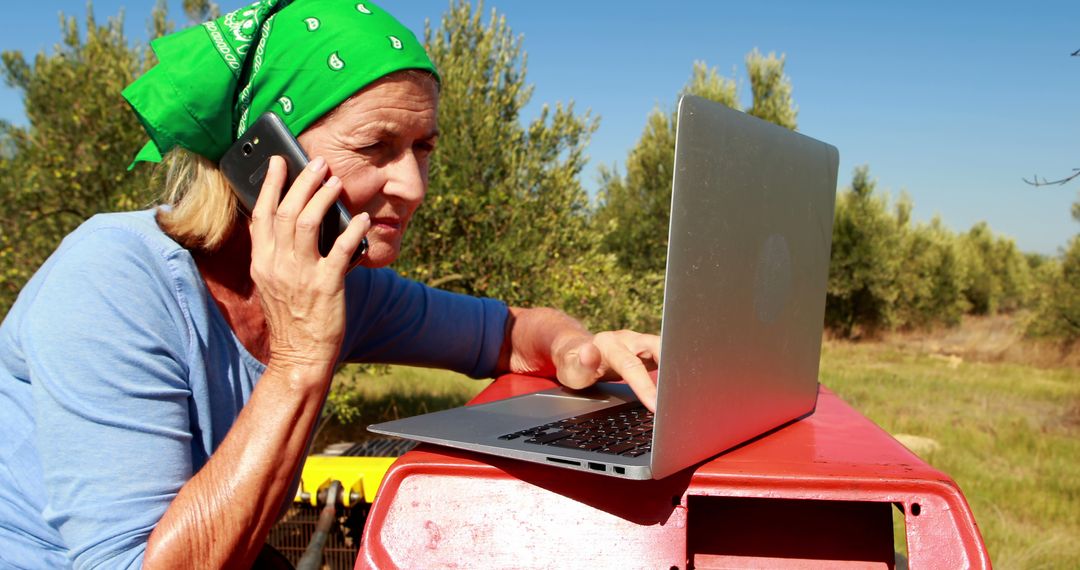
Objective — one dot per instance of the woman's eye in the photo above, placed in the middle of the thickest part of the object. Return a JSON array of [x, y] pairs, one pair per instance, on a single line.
[[370, 148]]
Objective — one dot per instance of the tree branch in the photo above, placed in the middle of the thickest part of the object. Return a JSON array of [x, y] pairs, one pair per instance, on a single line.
[[1045, 182], [1059, 182], [446, 279], [44, 215], [1074, 324]]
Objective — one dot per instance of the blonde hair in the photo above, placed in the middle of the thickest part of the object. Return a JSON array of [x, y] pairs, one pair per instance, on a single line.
[[199, 209]]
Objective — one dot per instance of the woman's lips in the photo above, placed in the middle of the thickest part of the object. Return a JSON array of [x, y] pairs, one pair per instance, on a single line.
[[386, 224]]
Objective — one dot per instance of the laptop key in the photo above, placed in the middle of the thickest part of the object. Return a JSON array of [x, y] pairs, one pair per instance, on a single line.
[[548, 438], [618, 448], [568, 442]]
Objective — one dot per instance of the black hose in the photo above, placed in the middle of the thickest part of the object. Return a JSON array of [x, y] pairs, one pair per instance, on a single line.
[[312, 558]]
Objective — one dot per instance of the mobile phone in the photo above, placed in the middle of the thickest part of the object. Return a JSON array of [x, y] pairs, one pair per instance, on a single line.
[[245, 163]]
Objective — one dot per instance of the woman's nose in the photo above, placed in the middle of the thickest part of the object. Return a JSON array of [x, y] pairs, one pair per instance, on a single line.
[[406, 178]]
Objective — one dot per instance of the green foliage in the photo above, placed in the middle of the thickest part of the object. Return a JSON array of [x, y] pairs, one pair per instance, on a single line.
[[886, 273], [931, 277], [771, 89], [70, 162], [199, 11], [361, 396], [707, 83], [1035, 261], [596, 290], [1056, 292], [160, 24], [999, 274], [864, 267], [505, 214], [1057, 305], [633, 210]]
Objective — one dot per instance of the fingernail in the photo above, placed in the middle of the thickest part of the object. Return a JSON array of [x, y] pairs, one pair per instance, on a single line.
[[364, 216], [333, 181], [318, 164]]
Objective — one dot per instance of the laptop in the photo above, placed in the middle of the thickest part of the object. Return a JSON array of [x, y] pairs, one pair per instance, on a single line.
[[744, 302]]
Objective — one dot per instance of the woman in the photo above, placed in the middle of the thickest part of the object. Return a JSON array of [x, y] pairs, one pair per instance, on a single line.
[[161, 375]]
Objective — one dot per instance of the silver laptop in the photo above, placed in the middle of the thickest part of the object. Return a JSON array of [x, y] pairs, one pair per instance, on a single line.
[[744, 302]]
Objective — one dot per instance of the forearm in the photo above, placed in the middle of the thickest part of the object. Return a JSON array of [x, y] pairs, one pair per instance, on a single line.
[[533, 337], [221, 517]]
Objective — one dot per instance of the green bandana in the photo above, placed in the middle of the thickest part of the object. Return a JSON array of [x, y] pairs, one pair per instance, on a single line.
[[298, 58]]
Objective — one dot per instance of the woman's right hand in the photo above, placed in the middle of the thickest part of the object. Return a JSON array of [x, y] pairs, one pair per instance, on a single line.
[[302, 293], [222, 515]]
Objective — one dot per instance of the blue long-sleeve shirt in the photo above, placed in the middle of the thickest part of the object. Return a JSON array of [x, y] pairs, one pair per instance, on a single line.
[[119, 377]]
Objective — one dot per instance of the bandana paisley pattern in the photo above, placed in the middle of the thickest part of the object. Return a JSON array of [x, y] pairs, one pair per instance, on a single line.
[[298, 58]]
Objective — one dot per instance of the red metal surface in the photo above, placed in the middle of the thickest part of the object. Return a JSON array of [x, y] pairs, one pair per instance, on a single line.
[[816, 493]]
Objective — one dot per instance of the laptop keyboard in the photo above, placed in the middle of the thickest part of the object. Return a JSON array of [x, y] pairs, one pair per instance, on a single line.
[[625, 430]]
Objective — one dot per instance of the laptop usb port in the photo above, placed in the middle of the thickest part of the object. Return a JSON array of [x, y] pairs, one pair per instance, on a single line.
[[597, 466]]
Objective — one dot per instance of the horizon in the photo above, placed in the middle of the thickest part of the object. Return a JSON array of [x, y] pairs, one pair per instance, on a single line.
[[952, 104]]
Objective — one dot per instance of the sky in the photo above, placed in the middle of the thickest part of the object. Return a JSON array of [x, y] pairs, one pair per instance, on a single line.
[[951, 102]]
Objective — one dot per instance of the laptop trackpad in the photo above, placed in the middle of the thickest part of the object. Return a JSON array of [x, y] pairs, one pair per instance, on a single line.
[[546, 405], [504, 416]]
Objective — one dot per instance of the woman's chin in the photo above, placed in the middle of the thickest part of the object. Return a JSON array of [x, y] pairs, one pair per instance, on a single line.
[[379, 255]]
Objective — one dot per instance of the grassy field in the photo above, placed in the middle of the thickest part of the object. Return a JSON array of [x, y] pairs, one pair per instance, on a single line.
[[360, 397], [1008, 433]]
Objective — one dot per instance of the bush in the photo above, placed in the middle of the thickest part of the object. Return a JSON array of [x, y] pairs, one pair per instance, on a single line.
[[931, 277], [864, 266], [1057, 311], [999, 275]]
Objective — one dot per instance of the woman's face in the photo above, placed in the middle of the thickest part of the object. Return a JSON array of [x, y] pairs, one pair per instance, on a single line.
[[379, 142]]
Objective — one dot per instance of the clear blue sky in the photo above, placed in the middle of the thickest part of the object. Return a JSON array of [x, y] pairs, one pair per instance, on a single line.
[[953, 102]]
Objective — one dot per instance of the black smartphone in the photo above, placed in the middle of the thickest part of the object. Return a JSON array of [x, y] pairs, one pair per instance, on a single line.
[[245, 163]]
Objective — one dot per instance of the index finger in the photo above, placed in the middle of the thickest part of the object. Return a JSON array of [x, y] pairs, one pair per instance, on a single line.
[[648, 345], [629, 367], [266, 204]]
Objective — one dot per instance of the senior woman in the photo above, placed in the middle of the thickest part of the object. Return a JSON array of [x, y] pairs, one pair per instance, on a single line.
[[162, 373]]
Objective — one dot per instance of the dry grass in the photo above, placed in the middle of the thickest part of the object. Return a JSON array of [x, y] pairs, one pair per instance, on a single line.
[[1008, 433], [998, 338]]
